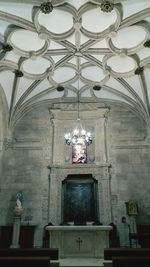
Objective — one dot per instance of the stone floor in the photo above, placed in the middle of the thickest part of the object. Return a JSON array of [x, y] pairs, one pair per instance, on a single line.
[[83, 262]]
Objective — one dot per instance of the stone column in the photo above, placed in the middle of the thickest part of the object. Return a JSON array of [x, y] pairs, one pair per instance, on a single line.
[[16, 229]]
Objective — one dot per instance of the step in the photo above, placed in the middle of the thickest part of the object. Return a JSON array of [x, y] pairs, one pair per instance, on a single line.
[[83, 262], [54, 263]]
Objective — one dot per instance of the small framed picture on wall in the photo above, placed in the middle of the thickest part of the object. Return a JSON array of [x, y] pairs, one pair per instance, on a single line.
[[79, 154]]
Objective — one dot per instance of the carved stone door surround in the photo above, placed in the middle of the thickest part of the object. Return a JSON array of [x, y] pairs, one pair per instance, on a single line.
[[59, 173]]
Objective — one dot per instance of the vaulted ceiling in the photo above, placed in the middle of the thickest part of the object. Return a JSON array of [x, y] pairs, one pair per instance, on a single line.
[[65, 50]]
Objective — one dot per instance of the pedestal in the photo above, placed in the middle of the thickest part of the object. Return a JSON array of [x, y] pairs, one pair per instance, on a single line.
[[16, 231]]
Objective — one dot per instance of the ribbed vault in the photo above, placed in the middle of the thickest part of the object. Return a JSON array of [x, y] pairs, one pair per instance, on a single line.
[[58, 51]]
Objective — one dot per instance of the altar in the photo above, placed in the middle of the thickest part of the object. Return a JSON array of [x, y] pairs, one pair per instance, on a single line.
[[79, 203], [79, 241]]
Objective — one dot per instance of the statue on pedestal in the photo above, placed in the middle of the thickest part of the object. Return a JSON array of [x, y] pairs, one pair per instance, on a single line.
[[19, 202], [17, 218], [124, 230]]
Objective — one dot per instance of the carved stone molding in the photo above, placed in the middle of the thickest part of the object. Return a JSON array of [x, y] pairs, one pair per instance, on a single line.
[[60, 173], [23, 144], [147, 43], [8, 143], [18, 73], [92, 120], [7, 47], [107, 6], [131, 146], [46, 7], [139, 70]]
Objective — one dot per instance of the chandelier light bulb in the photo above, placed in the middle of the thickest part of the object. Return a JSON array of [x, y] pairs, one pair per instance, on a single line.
[[76, 131], [73, 140], [67, 135], [83, 132], [88, 134]]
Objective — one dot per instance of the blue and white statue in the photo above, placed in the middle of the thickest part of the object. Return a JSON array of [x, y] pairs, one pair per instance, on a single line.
[[19, 202]]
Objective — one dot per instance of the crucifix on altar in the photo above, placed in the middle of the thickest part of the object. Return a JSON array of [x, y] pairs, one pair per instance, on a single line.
[[79, 242]]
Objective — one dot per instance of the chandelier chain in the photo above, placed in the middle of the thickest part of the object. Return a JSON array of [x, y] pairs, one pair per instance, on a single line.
[[79, 136]]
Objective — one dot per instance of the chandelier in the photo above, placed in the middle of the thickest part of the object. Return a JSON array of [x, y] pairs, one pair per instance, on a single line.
[[79, 136]]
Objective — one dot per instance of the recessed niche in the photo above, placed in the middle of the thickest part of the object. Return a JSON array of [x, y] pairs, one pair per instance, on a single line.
[[103, 20], [58, 21], [121, 64], [93, 73], [37, 66], [20, 39], [63, 74], [129, 37], [80, 199]]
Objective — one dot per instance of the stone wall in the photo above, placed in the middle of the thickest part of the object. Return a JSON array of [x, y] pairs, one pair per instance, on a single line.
[[129, 154], [25, 167]]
